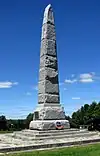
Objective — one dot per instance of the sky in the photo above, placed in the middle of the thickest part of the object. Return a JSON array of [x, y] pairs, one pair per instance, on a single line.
[[78, 49]]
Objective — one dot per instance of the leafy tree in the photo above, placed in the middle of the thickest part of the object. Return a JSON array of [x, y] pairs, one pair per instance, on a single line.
[[3, 123], [86, 114], [86, 107], [91, 110], [29, 119], [67, 117]]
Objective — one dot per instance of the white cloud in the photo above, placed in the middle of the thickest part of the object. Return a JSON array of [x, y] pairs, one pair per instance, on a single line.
[[87, 77], [7, 84], [86, 80], [70, 81], [28, 93], [75, 98], [83, 78]]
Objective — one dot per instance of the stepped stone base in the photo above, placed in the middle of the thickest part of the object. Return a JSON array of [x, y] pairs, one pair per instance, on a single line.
[[48, 124], [35, 139]]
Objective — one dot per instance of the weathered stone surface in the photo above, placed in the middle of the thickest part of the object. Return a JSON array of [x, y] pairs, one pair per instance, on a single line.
[[48, 124], [48, 98], [48, 87], [51, 113], [41, 86], [48, 15], [48, 32], [47, 73], [48, 47], [42, 74], [38, 139], [51, 32], [51, 62], [52, 75], [48, 61]]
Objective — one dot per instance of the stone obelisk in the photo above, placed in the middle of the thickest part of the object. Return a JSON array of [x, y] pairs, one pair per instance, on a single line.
[[49, 110]]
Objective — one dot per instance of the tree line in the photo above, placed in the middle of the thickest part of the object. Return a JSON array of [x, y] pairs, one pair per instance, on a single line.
[[89, 114], [15, 124]]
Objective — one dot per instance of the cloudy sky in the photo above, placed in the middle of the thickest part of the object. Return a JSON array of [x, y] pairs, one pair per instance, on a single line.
[[78, 44]]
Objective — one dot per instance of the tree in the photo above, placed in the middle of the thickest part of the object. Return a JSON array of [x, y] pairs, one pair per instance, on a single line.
[[86, 107], [3, 123], [67, 117], [90, 112], [86, 114], [29, 119]]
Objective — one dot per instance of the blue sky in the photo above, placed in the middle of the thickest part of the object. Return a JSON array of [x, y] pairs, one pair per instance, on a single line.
[[78, 44]]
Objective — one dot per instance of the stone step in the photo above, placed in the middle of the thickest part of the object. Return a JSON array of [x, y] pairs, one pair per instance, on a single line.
[[66, 136], [61, 134], [30, 134], [23, 137], [50, 131], [53, 144], [9, 141]]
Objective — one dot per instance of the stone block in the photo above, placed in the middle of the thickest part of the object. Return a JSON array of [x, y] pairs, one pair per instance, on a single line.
[[51, 32], [42, 74], [48, 61], [48, 87], [50, 113], [49, 74], [48, 98], [48, 31], [48, 124], [48, 47], [41, 87]]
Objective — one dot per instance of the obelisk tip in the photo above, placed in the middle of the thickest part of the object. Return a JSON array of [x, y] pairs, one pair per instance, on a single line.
[[48, 6], [48, 14]]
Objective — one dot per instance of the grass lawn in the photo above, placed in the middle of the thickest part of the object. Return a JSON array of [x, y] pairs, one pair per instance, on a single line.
[[87, 150], [3, 132]]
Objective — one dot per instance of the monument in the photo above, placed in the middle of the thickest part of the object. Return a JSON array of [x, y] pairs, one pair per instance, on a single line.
[[49, 113]]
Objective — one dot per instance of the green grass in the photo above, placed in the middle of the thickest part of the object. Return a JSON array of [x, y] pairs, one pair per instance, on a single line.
[[3, 132], [87, 150]]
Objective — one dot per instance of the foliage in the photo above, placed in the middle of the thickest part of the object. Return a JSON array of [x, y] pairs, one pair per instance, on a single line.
[[3, 123], [87, 114], [29, 119], [17, 124], [14, 125]]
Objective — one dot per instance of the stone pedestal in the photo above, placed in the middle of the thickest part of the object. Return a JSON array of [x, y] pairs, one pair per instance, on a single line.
[[46, 118], [49, 113], [48, 124]]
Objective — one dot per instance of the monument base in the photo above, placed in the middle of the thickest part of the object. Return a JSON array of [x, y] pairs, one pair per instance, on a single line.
[[49, 124]]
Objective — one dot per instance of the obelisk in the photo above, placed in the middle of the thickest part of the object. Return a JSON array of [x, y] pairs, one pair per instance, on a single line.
[[49, 110], [48, 94]]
